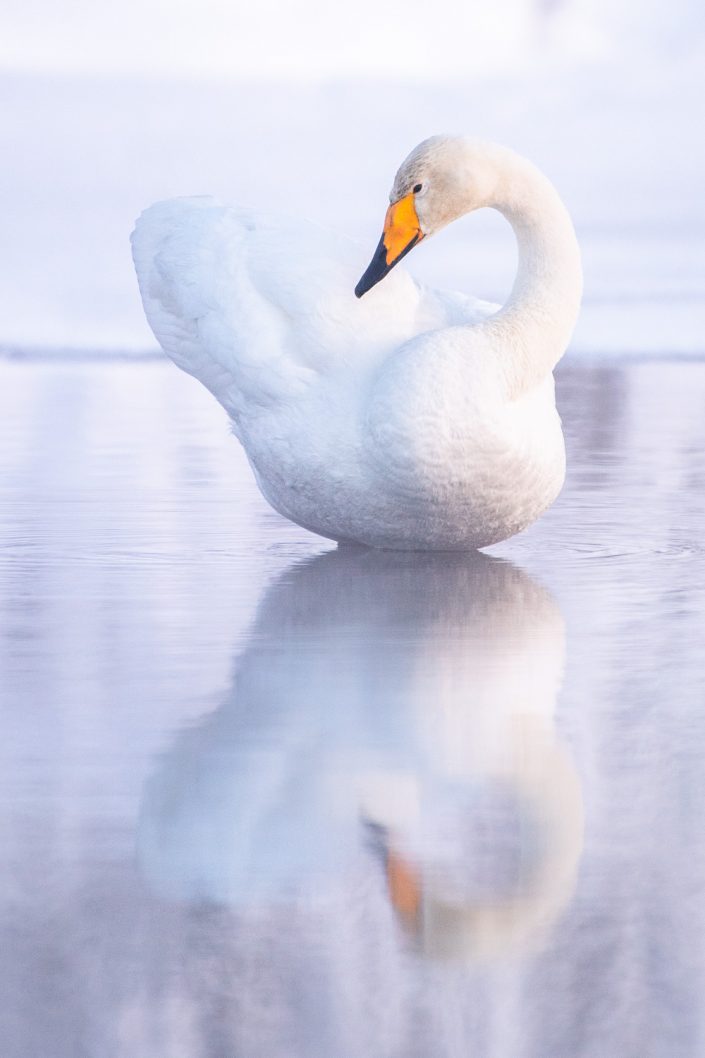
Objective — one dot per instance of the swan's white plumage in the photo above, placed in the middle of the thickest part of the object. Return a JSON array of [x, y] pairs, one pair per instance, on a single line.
[[385, 420]]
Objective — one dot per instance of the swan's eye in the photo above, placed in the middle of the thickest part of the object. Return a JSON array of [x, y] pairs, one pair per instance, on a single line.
[[417, 188]]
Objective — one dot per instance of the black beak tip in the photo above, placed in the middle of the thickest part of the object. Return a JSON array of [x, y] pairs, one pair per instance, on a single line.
[[376, 270], [378, 267]]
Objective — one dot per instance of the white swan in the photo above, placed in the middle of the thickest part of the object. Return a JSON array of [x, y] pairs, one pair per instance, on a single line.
[[410, 418]]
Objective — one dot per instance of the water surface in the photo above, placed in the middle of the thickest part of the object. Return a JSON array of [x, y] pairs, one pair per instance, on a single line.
[[262, 796]]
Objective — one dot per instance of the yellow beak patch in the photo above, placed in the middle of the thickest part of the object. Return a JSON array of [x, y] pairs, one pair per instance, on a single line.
[[401, 226], [401, 233]]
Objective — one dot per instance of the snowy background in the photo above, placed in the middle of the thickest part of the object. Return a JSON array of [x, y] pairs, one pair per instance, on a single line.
[[309, 108]]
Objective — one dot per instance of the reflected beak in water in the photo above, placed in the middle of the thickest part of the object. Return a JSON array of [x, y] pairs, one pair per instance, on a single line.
[[404, 888], [402, 231]]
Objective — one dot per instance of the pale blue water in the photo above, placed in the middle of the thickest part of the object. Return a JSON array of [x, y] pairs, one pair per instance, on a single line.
[[264, 797]]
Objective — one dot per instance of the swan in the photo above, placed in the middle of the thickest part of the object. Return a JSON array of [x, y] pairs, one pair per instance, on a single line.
[[404, 417]]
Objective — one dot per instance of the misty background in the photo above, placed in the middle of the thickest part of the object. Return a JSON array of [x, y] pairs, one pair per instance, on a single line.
[[308, 109]]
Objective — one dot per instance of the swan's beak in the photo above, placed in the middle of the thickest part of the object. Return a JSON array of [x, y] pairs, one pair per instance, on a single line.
[[404, 888], [402, 231]]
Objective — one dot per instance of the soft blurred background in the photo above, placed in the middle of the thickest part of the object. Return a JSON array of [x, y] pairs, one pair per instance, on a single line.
[[309, 108]]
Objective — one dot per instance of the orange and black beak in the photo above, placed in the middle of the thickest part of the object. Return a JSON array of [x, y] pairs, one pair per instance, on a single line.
[[401, 233]]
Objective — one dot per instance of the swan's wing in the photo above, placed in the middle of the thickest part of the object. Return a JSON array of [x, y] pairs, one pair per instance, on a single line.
[[258, 307], [192, 258]]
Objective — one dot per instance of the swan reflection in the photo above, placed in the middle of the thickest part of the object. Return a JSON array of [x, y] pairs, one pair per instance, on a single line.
[[393, 708]]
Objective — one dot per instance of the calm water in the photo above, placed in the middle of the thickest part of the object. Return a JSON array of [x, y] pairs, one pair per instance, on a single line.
[[264, 797]]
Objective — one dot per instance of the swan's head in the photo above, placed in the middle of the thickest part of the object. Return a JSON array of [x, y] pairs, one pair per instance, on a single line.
[[442, 179]]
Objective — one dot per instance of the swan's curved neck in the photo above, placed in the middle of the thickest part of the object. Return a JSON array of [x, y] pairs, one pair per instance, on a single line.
[[533, 328]]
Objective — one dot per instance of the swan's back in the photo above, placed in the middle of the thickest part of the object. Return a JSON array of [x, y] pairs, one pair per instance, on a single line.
[[259, 308]]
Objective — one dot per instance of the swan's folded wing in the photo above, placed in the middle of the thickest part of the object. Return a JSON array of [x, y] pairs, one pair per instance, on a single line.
[[192, 258], [257, 307]]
